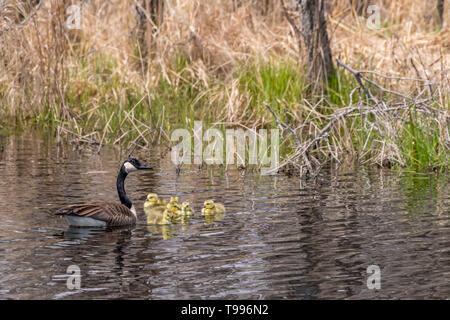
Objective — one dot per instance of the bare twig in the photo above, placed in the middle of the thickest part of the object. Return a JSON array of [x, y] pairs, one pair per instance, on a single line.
[[281, 124], [358, 78]]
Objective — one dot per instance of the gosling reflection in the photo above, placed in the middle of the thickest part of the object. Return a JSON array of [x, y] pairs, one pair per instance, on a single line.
[[211, 218], [167, 230]]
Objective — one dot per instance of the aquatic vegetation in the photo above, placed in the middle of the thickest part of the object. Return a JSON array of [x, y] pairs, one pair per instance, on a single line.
[[97, 87]]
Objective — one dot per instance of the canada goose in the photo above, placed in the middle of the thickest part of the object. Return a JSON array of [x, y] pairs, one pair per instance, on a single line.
[[211, 207], [102, 214]]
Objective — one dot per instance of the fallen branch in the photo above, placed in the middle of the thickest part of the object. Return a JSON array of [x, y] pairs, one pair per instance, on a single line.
[[303, 153], [285, 126], [282, 124], [358, 78]]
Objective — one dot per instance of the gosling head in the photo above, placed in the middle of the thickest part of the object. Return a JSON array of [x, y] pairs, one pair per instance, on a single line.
[[174, 207], [185, 206], [133, 164], [152, 198], [174, 199], [209, 204]]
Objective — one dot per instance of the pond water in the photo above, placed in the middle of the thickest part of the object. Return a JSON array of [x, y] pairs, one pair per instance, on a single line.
[[280, 238]]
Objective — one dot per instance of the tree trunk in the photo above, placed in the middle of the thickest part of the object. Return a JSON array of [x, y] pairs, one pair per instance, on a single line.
[[307, 18], [434, 15], [150, 15], [440, 12], [315, 37], [360, 6]]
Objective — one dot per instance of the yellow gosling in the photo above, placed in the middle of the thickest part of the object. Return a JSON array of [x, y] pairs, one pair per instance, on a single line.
[[161, 219], [173, 205], [157, 211], [186, 209], [211, 208], [154, 209], [153, 201], [184, 214]]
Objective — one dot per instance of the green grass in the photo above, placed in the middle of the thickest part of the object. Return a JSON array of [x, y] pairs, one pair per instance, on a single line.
[[277, 83], [96, 95], [421, 145], [340, 85]]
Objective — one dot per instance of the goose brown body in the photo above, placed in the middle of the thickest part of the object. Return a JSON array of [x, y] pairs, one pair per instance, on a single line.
[[112, 214]]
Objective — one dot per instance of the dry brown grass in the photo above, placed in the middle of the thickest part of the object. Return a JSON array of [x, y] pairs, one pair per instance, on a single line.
[[216, 37], [45, 66]]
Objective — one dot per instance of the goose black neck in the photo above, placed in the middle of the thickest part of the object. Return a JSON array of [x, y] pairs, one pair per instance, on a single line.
[[121, 188]]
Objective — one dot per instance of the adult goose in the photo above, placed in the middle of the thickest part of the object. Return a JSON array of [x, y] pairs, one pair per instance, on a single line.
[[106, 214]]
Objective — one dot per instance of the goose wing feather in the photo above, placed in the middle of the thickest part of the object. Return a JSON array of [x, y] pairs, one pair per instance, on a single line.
[[114, 214]]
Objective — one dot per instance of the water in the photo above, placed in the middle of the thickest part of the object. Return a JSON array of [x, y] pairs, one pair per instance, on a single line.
[[280, 239]]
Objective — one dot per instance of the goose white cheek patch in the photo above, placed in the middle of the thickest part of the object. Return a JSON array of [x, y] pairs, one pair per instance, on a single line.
[[129, 167]]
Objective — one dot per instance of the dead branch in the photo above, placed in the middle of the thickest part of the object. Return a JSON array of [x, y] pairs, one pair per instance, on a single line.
[[358, 77], [281, 124]]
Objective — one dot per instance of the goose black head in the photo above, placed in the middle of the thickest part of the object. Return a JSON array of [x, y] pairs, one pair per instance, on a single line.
[[132, 164]]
